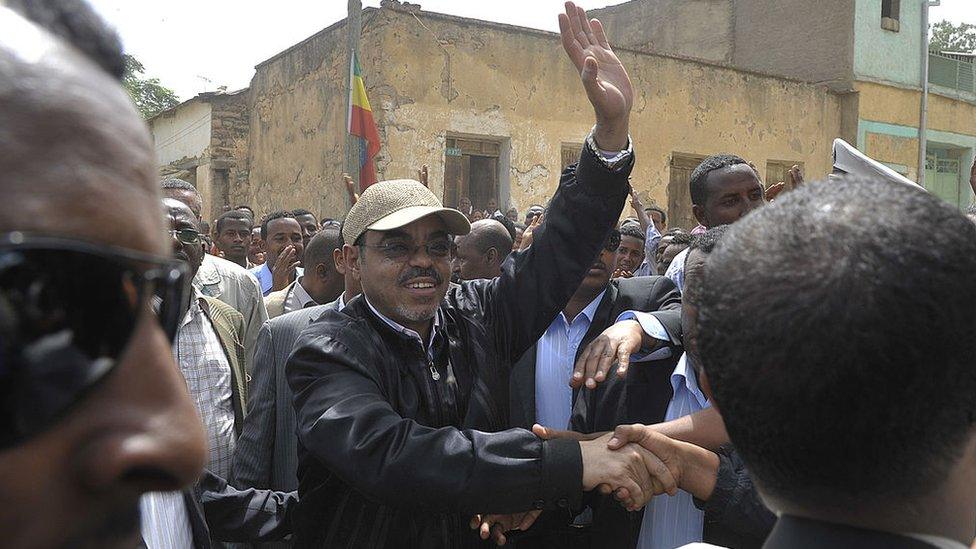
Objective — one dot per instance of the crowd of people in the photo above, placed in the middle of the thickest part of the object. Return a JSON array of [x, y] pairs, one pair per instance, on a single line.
[[797, 371]]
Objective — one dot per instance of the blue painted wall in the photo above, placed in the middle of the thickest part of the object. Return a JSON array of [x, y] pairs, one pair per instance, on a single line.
[[884, 55]]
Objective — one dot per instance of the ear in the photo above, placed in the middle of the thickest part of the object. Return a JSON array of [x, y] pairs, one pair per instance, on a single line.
[[322, 271], [700, 214], [491, 255], [350, 256], [339, 260]]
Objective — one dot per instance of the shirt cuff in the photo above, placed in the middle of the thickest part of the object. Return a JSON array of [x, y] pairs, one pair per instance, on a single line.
[[652, 327], [611, 159]]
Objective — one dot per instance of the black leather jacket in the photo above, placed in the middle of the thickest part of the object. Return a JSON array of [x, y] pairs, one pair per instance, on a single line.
[[400, 449]]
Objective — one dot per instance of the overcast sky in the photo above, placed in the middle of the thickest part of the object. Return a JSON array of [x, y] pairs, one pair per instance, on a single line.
[[194, 46]]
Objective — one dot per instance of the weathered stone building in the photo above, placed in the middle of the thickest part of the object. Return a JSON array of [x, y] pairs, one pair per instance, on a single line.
[[496, 110]]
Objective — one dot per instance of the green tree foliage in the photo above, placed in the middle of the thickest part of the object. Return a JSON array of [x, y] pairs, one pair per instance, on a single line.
[[150, 97], [949, 37]]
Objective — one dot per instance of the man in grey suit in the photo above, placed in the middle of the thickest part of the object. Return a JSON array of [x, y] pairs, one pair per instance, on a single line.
[[266, 454]]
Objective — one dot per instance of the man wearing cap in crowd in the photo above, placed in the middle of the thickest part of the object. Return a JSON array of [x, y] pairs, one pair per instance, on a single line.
[[400, 396]]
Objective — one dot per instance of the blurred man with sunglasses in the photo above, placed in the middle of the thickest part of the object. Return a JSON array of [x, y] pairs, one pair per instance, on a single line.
[[223, 279], [208, 348], [95, 413]]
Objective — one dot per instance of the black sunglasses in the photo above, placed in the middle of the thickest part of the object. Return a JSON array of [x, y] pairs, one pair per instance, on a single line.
[[68, 310]]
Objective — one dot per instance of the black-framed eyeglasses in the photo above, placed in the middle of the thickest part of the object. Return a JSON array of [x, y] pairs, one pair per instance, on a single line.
[[68, 310], [186, 236], [401, 251]]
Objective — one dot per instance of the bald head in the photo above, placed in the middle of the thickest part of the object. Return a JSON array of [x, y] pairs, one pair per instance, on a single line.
[[481, 252], [322, 280], [72, 147]]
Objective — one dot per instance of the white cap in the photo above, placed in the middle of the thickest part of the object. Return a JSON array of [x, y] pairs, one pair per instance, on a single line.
[[851, 161]]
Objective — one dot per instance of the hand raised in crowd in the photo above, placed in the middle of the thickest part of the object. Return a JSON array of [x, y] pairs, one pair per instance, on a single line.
[[613, 346], [350, 188], [283, 270], [796, 179], [422, 175], [604, 77], [495, 526], [796, 176], [621, 273], [638, 205], [527, 234], [774, 190]]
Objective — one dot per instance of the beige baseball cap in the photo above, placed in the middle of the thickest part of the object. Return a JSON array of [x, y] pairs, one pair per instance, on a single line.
[[392, 204]]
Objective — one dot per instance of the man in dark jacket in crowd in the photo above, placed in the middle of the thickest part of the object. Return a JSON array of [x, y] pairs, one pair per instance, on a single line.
[[399, 397]]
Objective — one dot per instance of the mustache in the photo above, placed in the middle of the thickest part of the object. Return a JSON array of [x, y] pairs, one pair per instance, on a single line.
[[417, 272]]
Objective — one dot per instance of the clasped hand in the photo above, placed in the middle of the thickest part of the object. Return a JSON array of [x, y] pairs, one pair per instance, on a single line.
[[633, 463]]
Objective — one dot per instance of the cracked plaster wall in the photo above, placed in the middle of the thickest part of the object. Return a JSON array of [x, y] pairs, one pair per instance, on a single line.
[[428, 76]]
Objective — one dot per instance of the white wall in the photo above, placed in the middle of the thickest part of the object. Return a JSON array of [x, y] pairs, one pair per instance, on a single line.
[[183, 133]]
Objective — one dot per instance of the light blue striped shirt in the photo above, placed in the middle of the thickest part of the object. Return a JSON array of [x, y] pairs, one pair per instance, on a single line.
[[671, 522], [555, 355], [675, 521]]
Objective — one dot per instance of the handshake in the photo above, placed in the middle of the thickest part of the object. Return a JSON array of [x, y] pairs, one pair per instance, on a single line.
[[634, 463]]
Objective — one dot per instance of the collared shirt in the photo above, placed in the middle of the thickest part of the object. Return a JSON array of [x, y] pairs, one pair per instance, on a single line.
[[676, 271], [651, 240], [266, 279], [165, 523], [208, 377], [298, 297], [675, 521], [342, 301], [555, 355], [407, 331]]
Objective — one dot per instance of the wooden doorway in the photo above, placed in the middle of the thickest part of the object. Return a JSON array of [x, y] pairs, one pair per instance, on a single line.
[[679, 195], [471, 170]]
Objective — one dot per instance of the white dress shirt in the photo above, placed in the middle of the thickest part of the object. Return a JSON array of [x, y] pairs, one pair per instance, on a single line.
[[672, 521], [298, 297]]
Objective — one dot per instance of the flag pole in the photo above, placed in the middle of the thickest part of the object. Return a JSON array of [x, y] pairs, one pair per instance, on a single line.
[[353, 143]]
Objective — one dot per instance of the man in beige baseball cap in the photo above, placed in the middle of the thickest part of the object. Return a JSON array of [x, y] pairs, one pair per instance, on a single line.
[[401, 398]]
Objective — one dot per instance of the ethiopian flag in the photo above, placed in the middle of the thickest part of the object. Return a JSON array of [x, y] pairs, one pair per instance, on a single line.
[[361, 125]]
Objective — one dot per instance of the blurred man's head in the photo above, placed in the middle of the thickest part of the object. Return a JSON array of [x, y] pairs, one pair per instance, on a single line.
[[659, 217], [279, 230], [481, 252], [309, 224], [672, 246], [255, 250], [700, 248], [601, 270], [233, 236], [630, 253], [401, 245], [321, 279], [512, 214], [177, 189], [836, 328], [534, 211], [723, 189], [184, 234], [95, 411], [246, 210]]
